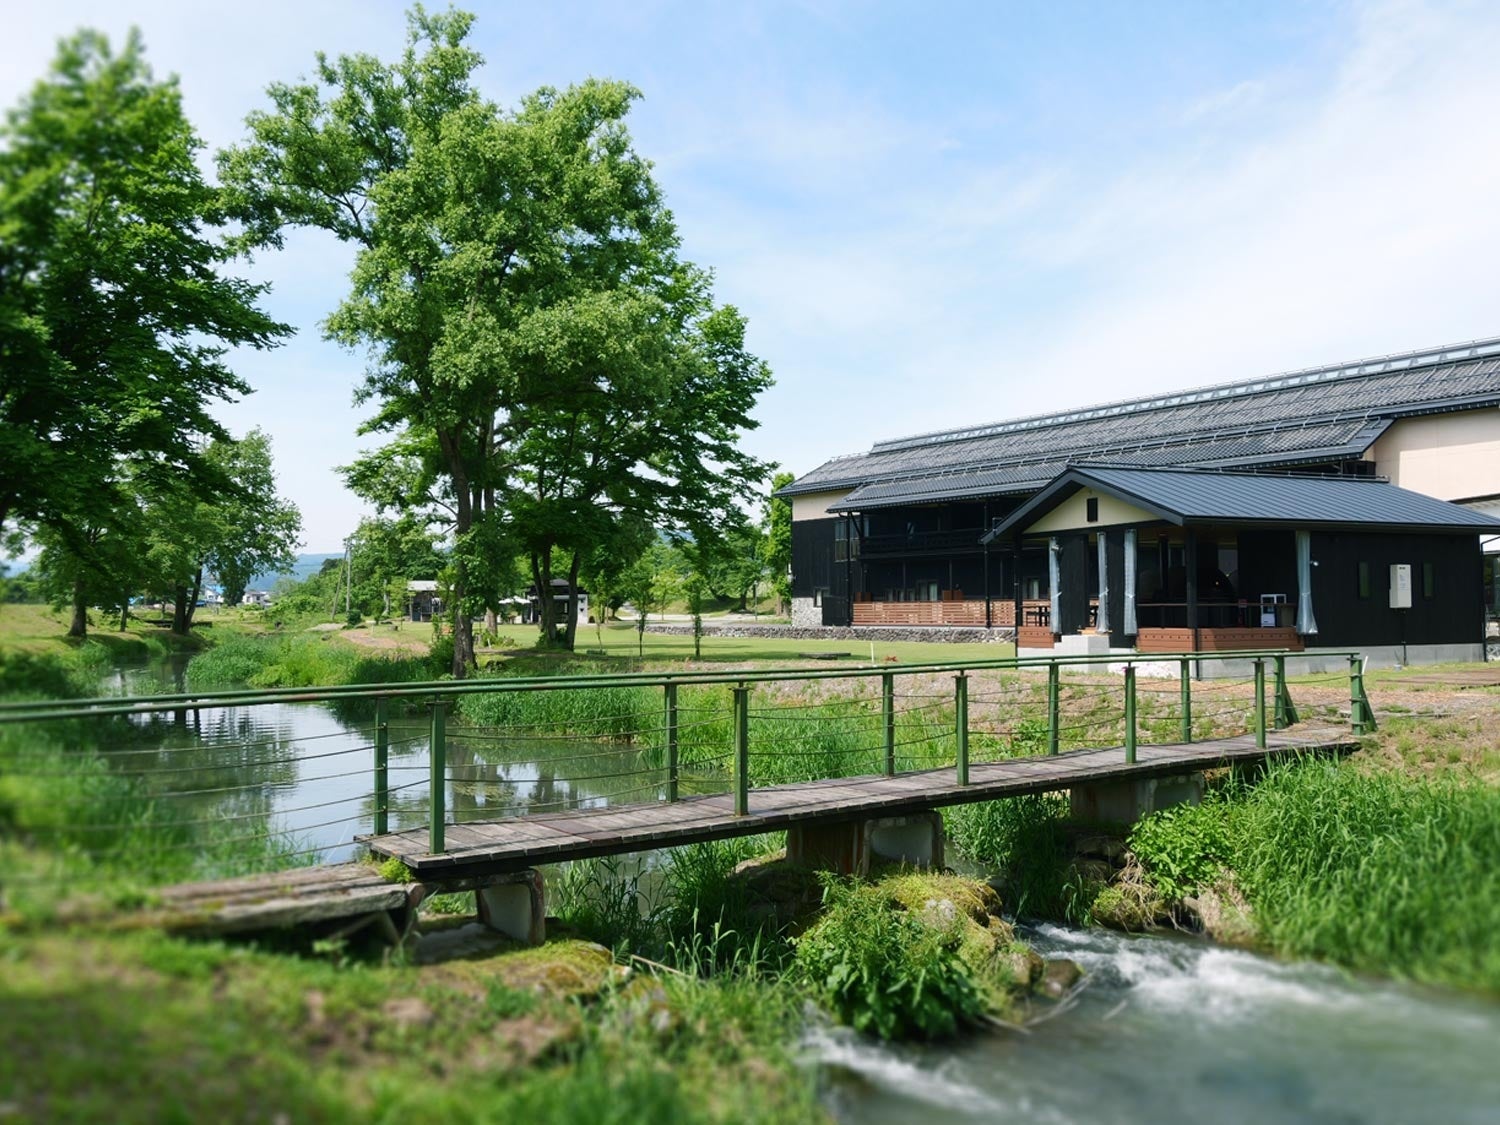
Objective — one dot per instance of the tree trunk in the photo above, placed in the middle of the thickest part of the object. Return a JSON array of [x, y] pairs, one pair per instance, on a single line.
[[80, 625], [491, 621], [179, 610], [192, 602], [541, 574], [124, 614]]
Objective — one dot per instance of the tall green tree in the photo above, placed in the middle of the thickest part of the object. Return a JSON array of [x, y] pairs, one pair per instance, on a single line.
[[115, 310], [239, 530], [468, 221], [778, 542]]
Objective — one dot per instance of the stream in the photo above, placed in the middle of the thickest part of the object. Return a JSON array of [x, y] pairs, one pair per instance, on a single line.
[[1166, 1028], [1177, 1029]]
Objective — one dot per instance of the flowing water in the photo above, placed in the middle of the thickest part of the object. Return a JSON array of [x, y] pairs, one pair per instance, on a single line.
[[1166, 1029], [1174, 1029]]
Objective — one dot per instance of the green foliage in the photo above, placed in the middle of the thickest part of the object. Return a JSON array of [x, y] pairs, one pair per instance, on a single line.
[[884, 970], [778, 541], [1025, 840], [598, 900], [53, 675], [1185, 847], [1375, 871], [115, 312], [392, 870]]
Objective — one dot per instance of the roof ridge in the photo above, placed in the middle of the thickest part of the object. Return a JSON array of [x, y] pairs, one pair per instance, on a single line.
[[1374, 365], [1225, 471]]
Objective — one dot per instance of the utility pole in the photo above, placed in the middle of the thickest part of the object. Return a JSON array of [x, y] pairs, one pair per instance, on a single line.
[[348, 578]]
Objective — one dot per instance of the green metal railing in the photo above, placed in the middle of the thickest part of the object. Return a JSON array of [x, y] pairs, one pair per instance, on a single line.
[[1110, 701]]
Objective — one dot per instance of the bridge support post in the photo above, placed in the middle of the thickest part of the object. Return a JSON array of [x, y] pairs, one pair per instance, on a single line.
[[1185, 689], [437, 756], [850, 847], [1125, 802], [1052, 694], [671, 731], [961, 720], [740, 720], [382, 767], [514, 905]]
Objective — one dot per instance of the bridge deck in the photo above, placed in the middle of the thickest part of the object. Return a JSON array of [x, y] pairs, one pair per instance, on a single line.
[[514, 843]]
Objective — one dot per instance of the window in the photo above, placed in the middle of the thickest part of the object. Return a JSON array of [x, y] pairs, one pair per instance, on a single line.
[[1091, 509], [1429, 579], [1364, 580], [841, 541], [818, 596]]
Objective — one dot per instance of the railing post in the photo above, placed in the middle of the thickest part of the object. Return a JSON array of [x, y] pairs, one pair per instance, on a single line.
[[741, 723], [437, 756], [961, 718], [1286, 710], [888, 720], [1185, 689], [382, 767], [1130, 714], [1052, 693], [1260, 704], [671, 725], [1361, 714]]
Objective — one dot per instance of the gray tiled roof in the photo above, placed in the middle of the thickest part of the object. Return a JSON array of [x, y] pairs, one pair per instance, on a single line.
[[1298, 417], [1207, 496]]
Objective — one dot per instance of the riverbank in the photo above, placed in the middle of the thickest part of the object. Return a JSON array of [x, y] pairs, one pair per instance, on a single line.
[[702, 1012]]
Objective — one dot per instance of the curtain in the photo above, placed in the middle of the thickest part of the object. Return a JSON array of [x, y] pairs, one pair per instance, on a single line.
[[1307, 624], [1103, 623], [1054, 580], [1130, 628]]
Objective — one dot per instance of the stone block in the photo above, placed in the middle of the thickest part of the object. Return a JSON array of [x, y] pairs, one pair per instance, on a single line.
[[850, 846], [515, 905], [1125, 802]]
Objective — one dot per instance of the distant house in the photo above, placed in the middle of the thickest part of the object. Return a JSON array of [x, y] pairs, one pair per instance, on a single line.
[[422, 595], [532, 612], [256, 597]]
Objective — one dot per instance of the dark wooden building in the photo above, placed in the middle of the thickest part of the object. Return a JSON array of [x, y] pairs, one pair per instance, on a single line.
[[895, 535], [1176, 560]]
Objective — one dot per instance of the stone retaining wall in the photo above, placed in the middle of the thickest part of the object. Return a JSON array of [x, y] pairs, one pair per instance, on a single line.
[[936, 634]]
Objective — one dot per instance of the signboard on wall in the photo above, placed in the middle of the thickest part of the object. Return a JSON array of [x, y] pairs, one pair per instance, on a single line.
[[1400, 585]]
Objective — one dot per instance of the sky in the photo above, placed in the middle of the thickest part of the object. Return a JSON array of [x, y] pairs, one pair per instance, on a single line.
[[940, 215]]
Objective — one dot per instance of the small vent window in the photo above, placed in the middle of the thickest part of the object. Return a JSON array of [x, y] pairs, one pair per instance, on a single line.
[[1091, 509], [1364, 580]]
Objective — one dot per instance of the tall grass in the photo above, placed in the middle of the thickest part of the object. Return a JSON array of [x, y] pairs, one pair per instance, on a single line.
[[70, 822], [71, 673], [1025, 841], [1380, 872]]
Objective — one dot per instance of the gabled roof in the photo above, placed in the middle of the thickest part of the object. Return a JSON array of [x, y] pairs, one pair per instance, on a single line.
[[1193, 496], [1300, 417]]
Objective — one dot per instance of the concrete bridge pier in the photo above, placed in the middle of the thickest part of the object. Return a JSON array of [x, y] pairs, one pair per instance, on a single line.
[[851, 846], [1126, 801], [514, 904]]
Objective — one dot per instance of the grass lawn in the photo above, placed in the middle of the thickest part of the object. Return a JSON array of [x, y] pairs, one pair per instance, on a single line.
[[41, 629], [620, 641]]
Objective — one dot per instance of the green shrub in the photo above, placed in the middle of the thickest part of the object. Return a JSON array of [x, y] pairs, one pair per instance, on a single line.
[[1185, 847], [1025, 841], [884, 970]]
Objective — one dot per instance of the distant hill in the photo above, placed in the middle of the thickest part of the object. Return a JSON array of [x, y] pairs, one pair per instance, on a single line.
[[305, 566]]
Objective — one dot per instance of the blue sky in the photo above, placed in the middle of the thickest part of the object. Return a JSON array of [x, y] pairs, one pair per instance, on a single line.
[[946, 214]]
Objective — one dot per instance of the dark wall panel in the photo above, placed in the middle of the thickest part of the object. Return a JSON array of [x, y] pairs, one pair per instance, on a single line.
[[812, 556], [1450, 615]]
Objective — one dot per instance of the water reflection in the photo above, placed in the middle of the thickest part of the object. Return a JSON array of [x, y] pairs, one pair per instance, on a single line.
[[306, 770]]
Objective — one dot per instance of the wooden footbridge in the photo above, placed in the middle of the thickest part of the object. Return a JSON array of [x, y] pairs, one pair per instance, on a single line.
[[497, 856]]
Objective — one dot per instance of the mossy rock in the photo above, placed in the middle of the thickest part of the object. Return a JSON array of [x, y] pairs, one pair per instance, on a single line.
[[565, 968], [1127, 906]]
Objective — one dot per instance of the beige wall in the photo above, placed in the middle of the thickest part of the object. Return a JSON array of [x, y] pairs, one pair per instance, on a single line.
[[1450, 456], [814, 505], [1072, 514]]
